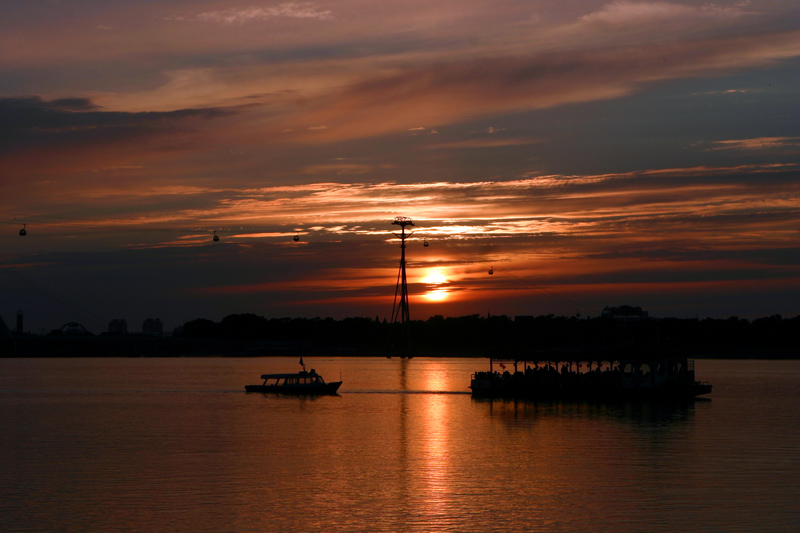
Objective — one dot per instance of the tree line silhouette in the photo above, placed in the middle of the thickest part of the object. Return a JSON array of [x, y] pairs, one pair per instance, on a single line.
[[771, 336]]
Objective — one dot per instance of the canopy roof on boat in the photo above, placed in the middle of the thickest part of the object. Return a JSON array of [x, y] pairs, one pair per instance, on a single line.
[[586, 357], [290, 375]]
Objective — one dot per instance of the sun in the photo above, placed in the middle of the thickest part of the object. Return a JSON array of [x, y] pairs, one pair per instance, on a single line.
[[437, 295], [435, 277], [436, 282]]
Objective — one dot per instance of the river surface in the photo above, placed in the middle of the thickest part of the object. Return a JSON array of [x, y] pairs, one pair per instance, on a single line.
[[177, 445]]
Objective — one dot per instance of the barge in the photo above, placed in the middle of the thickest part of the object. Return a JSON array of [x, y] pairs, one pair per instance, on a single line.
[[559, 377]]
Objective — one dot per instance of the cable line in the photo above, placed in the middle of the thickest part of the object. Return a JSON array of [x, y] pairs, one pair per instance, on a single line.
[[517, 279]]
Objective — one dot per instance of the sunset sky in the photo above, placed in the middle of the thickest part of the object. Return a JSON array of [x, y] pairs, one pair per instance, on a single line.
[[589, 153]]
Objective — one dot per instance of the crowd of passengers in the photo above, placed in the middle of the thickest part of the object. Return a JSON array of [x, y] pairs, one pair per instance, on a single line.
[[565, 376]]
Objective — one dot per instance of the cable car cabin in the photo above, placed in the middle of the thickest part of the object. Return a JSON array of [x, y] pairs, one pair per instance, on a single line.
[[23, 231]]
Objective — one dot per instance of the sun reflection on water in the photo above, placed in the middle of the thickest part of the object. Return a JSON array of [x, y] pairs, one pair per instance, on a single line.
[[434, 475]]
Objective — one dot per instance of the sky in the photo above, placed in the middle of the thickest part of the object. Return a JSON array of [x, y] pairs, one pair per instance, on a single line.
[[587, 153]]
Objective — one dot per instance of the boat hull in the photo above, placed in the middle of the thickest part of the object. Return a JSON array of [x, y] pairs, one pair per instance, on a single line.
[[496, 389], [297, 390]]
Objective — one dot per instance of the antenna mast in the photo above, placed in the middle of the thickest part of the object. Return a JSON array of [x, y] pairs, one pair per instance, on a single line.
[[400, 309]]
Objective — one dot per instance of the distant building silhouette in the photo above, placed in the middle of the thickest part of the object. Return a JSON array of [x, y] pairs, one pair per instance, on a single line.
[[118, 326], [72, 329], [153, 326]]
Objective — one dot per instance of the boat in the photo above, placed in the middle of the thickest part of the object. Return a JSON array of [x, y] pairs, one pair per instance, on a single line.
[[295, 383], [591, 378]]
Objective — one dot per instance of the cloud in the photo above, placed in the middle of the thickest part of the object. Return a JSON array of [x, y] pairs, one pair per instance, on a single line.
[[759, 143], [611, 206], [296, 10], [471, 144], [714, 201], [637, 12], [339, 169], [421, 130], [729, 91], [31, 122], [360, 81], [458, 90], [623, 13]]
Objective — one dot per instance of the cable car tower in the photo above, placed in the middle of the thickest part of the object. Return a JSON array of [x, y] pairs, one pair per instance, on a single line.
[[400, 309]]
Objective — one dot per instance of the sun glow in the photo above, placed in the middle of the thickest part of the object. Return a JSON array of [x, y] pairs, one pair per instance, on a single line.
[[435, 278], [436, 281], [437, 295]]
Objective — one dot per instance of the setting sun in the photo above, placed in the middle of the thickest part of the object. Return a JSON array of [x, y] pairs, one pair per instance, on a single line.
[[436, 295], [436, 282], [435, 278]]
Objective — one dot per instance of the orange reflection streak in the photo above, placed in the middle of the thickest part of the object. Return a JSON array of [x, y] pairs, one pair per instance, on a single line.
[[434, 475]]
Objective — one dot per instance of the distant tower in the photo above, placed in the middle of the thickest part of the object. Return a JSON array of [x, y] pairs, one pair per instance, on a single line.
[[19, 322], [400, 309]]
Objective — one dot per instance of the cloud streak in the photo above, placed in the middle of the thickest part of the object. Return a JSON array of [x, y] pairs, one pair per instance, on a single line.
[[760, 143], [242, 15]]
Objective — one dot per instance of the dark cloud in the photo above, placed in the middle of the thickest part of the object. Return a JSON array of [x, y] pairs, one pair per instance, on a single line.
[[31, 122], [783, 256]]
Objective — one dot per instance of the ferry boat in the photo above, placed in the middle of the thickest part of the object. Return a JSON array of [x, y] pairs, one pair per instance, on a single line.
[[295, 383], [555, 377]]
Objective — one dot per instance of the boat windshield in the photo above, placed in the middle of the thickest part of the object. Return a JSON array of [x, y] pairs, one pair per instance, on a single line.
[[290, 380]]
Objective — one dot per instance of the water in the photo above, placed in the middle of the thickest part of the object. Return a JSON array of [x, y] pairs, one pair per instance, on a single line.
[[176, 445]]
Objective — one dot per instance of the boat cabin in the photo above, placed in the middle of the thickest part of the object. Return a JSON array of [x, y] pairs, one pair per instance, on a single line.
[[295, 383], [301, 379]]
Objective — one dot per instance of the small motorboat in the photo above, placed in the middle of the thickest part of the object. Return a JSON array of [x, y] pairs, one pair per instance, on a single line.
[[295, 383]]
